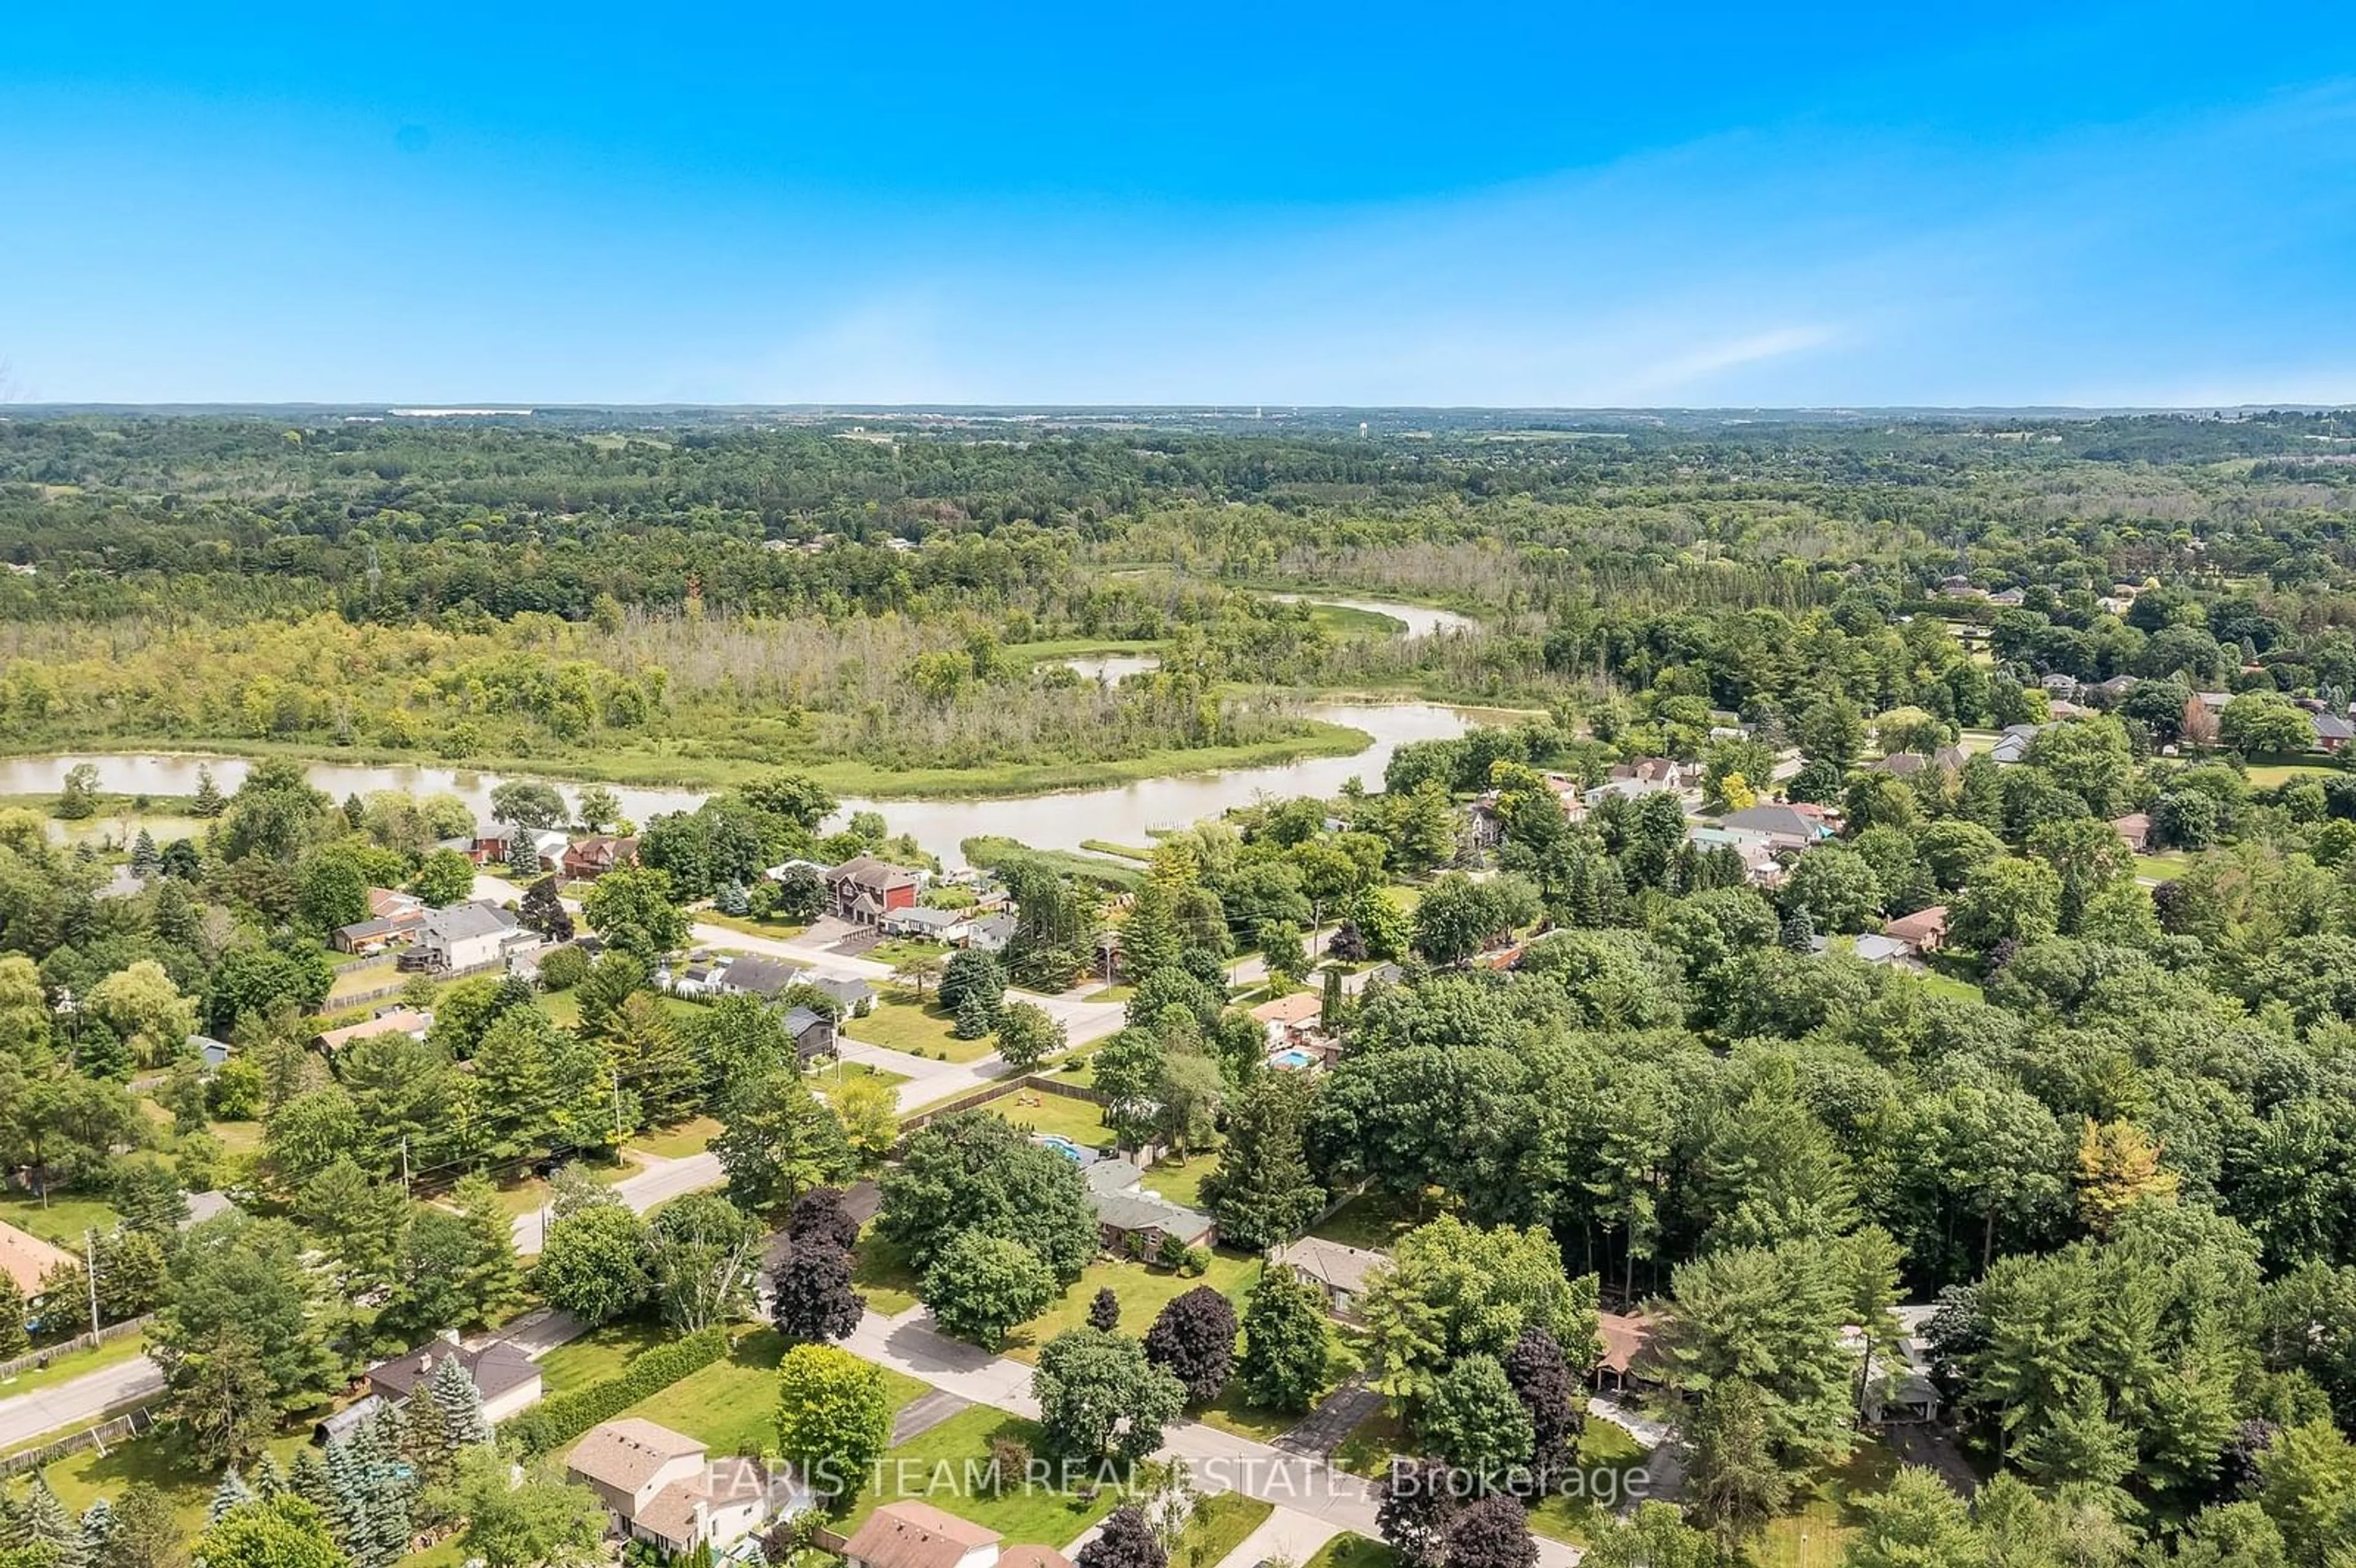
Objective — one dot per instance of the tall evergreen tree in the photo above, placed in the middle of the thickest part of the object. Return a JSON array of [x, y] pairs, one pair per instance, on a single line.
[[99, 1532], [146, 861], [309, 1479], [451, 1388], [348, 1516], [232, 1491], [46, 1523], [1262, 1194]]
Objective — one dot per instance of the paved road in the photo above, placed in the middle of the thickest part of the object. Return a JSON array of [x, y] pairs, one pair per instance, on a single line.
[[660, 1182], [28, 1416], [79, 1402], [1326, 1497]]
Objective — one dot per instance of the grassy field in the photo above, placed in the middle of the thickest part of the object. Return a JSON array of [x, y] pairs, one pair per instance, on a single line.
[[1602, 1446], [1180, 1180], [1815, 1534], [2270, 770], [1143, 1293], [989, 851], [1141, 853], [1082, 1121], [82, 1479], [1371, 1220], [1218, 1526], [677, 1143], [934, 1466], [1232, 1412], [599, 1354], [1348, 1549], [732, 1405], [782, 930], [900, 1022], [63, 1220], [898, 950], [373, 975], [883, 1276], [564, 1009], [73, 1364], [2161, 868]]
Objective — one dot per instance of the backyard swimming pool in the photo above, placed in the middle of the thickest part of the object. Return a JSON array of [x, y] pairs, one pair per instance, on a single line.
[[1293, 1057], [1062, 1146]]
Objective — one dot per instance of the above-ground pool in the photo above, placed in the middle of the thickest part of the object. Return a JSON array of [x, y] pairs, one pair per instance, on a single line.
[[1062, 1146], [1293, 1056]]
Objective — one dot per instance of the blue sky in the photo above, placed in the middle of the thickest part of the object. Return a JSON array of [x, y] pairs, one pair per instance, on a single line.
[[1931, 203]]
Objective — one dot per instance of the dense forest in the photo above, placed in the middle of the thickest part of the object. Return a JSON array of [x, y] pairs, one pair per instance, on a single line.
[[687, 603]]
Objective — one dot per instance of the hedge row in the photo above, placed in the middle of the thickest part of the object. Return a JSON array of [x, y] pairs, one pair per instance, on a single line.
[[568, 1415]]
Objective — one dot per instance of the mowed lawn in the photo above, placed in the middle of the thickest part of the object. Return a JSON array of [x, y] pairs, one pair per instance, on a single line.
[[1082, 1121], [677, 1143], [71, 1364], [1180, 1180], [899, 1022], [732, 1405], [1218, 1526], [1816, 1533], [949, 1468], [63, 1220], [1349, 1550], [1143, 1293], [1601, 1448], [883, 1276], [601, 1353], [1372, 1219]]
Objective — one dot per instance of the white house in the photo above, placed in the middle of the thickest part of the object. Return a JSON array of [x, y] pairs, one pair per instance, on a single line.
[[657, 1486], [473, 935]]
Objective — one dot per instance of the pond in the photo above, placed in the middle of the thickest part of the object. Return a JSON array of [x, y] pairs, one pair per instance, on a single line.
[[1120, 814]]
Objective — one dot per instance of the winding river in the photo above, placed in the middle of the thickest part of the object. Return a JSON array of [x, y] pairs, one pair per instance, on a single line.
[[1121, 814]]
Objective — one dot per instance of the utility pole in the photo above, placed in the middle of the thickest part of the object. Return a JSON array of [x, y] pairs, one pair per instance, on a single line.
[[615, 1074], [404, 1163], [89, 1271]]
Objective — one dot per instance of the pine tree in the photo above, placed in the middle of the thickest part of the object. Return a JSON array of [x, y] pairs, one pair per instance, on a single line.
[[99, 1531], [462, 1424], [46, 1523], [269, 1481], [523, 854], [976, 1015], [311, 1482], [209, 801], [426, 1444], [232, 1491], [347, 1518], [145, 863], [730, 899], [355, 810]]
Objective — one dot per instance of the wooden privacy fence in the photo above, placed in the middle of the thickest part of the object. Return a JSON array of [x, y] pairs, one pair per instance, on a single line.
[[34, 1361], [114, 1429]]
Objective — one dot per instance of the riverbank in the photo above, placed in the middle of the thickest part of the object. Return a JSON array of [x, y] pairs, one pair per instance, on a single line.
[[681, 769]]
